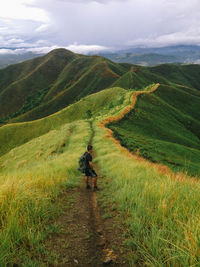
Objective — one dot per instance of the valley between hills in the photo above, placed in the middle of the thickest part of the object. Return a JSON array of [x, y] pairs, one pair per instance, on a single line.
[[143, 123]]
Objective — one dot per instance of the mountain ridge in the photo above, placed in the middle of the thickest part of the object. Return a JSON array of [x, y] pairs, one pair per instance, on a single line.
[[47, 84]]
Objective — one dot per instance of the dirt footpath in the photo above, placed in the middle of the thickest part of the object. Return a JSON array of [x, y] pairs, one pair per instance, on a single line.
[[84, 238]]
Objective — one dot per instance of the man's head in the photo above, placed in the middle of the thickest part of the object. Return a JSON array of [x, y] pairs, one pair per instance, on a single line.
[[89, 148]]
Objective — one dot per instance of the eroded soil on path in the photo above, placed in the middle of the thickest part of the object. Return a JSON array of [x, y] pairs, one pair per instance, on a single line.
[[84, 238]]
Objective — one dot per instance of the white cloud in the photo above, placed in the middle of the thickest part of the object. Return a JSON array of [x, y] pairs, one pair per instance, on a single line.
[[15, 41], [76, 48], [6, 51], [19, 9], [98, 23], [92, 1], [191, 36], [42, 28], [85, 49], [3, 29]]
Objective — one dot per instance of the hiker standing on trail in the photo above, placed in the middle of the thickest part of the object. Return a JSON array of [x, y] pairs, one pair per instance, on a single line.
[[89, 171], [86, 167]]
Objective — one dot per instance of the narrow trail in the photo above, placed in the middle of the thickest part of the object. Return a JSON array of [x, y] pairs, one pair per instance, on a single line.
[[83, 237], [127, 109], [109, 133]]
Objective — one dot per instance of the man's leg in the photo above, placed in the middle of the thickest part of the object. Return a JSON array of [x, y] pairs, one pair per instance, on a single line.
[[95, 178], [95, 181], [87, 182]]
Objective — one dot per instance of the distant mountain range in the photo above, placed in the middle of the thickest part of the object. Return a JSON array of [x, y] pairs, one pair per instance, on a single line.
[[8, 59], [182, 54], [154, 56]]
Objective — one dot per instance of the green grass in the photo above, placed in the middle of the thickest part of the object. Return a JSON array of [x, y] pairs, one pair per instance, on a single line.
[[187, 75], [32, 177], [34, 75], [106, 102], [159, 213], [38, 166], [72, 76], [164, 127]]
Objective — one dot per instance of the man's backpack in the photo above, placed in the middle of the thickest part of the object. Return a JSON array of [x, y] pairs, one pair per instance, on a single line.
[[82, 163]]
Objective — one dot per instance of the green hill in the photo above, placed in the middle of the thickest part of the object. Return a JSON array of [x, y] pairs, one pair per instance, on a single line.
[[156, 213], [104, 102], [164, 127], [42, 86], [52, 82], [138, 78], [188, 75], [20, 81]]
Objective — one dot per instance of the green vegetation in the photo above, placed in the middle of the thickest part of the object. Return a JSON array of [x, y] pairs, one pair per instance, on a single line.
[[8, 59], [159, 213], [43, 165], [32, 176], [72, 76], [31, 102], [26, 78], [164, 127], [188, 75], [97, 104], [159, 209]]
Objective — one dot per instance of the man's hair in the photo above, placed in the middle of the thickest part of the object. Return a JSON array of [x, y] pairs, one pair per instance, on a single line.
[[89, 147]]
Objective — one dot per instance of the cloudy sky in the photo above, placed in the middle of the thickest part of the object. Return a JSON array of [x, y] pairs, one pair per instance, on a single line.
[[97, 25]]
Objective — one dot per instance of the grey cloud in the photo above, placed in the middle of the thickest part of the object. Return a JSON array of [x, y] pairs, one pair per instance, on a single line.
[[119, 22], [90, 1], [87, 24], [187, 38]]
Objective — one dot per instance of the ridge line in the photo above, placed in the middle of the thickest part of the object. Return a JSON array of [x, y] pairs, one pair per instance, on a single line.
[[127, 109]]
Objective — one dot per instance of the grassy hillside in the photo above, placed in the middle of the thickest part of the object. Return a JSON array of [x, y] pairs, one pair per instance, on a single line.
[[32, 177], [104, 102], [61, 78], [32, 76], [164, 127], [44, 85], [138, 78], [157, 210], [8, 59], [188, 75], [86, 72]]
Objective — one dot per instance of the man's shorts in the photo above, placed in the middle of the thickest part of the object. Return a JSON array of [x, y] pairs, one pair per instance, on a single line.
[[91, 173]]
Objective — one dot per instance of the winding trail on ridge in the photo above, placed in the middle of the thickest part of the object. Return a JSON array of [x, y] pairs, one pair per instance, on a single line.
[[127, 109], [84, 238], [109, 132]]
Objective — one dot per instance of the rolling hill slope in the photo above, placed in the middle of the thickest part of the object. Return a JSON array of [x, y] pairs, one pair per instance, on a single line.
[[104, 102], [20, 81], [38, 163], [42, 86], [164, 127], [55, 80]]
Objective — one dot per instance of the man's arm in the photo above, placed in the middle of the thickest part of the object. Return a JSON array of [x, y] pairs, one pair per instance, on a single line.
[[91, 165]]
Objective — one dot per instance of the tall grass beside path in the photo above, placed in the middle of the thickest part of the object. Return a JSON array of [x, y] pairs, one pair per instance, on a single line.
[[28, 191], [160, 211]]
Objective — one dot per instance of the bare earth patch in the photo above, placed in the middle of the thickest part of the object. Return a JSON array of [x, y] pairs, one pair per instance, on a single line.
[[84, 238]]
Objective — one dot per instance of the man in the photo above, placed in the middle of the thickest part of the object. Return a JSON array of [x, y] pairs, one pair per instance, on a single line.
[[89, 171]]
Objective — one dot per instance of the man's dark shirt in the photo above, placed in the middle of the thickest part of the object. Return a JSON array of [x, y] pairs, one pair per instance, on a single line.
[[88, 159]]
